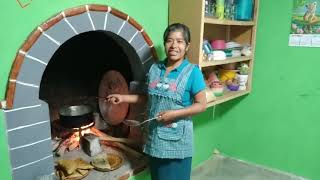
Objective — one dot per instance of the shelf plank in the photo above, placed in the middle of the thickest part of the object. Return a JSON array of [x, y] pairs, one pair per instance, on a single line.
[[227, 61], [227, 96], [212, 20]]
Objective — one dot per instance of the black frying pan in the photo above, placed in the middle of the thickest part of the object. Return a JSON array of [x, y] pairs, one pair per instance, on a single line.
[[76, 116]]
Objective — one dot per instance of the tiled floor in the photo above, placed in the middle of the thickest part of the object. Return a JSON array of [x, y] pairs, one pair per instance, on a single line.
[[224, 168]]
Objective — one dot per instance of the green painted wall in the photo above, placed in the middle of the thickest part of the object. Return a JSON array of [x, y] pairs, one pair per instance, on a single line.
[[276, 125]]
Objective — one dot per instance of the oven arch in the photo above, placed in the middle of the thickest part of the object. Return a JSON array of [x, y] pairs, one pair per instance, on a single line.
[[27, 116]]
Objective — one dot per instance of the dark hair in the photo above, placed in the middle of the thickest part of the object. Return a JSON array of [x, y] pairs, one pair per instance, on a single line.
[[177, 27]]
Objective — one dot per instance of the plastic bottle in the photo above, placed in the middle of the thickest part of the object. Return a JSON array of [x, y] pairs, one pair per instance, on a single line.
[[244, 10], [220, 9]]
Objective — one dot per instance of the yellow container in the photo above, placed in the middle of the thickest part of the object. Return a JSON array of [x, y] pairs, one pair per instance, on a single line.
[[226, 75]]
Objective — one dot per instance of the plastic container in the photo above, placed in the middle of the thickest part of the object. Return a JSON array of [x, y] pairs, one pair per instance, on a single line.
[[209, 8], [226, 75], [229, 9], [218, 91], [233, 87], [217, 88], [219, 13], [218, 44], [244, 10]]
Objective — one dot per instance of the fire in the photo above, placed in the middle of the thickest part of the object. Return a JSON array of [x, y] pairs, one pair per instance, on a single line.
[[83, 130], [73, 141]]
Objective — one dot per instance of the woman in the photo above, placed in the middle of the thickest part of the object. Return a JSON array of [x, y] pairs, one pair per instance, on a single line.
[[175, 92]]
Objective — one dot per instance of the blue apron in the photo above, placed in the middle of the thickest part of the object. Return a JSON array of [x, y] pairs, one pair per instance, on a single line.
[[173, 141]]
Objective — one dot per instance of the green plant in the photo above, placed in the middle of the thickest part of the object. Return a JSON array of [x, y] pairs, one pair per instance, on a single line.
[[244, 69]]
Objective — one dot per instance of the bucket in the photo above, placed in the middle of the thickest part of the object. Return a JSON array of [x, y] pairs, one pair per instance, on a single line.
[[218, 44], [244, 10]]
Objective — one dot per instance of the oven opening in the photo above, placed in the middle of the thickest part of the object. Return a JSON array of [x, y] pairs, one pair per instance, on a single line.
[[82, 71]]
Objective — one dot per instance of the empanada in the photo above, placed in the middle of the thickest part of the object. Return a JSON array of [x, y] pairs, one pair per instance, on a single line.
[[74, 175], [81, 164], [67, 165], [83, 172]]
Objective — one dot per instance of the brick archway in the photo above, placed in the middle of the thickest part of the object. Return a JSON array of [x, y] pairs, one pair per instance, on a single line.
[[26, 115], [62, 27]]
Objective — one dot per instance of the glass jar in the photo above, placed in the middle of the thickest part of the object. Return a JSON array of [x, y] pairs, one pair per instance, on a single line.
[[229, 9], [209, 7]]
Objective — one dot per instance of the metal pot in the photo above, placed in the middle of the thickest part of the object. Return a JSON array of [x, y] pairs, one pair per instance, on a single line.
[[76, 116]]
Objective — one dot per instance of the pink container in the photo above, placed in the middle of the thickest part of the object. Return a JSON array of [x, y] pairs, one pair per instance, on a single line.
[[218, 44]]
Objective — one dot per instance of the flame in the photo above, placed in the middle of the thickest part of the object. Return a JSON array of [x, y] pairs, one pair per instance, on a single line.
[[73, 142], [84, 130], [77, 136]]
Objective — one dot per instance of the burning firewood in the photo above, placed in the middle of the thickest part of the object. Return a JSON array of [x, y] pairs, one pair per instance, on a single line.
[[55, 143], [73, 145], [110, 141], [123, 147], [62, 147], [105, 137], [61, 151], [71, 141]]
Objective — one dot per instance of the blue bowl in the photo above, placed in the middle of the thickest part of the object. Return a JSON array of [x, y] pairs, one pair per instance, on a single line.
[[232, 87]]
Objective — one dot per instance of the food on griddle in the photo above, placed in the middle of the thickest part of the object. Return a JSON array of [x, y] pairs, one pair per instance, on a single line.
[[107, 162], [69, 169]]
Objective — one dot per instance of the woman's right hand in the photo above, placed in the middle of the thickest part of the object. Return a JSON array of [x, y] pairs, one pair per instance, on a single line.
[[114, 98]]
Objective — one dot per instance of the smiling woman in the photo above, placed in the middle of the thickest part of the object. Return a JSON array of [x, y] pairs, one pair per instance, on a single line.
[[176, 92], [177, 41]]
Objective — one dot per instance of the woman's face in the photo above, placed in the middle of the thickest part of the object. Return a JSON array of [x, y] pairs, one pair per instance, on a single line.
[[175, 46]]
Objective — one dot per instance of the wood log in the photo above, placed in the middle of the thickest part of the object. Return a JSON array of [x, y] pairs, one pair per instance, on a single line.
[[61, 150], [105, 137], [73, 145], [63, 141], [123, 147], [62, 147], [55, 144]]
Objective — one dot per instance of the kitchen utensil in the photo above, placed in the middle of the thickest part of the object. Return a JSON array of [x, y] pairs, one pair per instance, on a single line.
[[130, 122], [112, 82], [76, 116]]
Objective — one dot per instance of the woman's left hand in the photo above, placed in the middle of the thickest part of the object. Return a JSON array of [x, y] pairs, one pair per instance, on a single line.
[[167, 116]]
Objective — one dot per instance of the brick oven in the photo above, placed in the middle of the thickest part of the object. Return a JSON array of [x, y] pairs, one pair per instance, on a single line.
[[62, 63]]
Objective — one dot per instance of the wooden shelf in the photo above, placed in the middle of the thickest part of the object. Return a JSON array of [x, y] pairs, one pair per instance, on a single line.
[[227, 61], [227, 96], [210, 28], [212, 20]]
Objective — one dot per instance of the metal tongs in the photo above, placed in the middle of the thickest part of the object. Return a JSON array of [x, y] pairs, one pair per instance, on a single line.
[[130, 122]]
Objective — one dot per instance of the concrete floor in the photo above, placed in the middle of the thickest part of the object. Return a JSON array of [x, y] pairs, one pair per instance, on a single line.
[[224, 168]]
